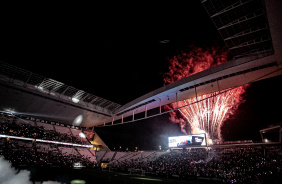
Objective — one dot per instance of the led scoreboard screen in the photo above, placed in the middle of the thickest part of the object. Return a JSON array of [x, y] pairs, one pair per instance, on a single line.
[[188, 140]]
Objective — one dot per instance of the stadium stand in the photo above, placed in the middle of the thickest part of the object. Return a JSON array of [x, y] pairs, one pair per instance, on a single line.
[[15, 126], [68, 151], [45, 148], [119, 155], [22, 153], [45, 125], [245, 164], [39, 154], [242, 165], [87, 154], [100, 155], [127, 156], [109, 155], [21, 121], [63, 130], [92, 152], [75, 133]]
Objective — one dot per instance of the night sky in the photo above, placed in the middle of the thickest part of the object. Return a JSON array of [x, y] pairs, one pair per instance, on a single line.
[[118, 52]]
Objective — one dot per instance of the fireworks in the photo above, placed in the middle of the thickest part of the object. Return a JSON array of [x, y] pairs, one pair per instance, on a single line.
[[206, 113]]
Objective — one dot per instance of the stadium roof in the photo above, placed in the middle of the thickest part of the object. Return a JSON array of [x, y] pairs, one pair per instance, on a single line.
[[242, 24], [52, 87], [247, 27]]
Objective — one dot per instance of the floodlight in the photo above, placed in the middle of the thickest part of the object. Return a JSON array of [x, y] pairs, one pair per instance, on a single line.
[[75, 100], [82, 135], [77, 121]]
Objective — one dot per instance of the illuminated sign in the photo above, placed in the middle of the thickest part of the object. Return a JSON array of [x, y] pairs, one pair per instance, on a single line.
[[188, 140]]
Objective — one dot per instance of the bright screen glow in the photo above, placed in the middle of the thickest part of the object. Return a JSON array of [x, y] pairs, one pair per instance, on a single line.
[[187, 141]]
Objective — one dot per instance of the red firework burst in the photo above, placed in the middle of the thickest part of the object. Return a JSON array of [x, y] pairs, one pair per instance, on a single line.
[[206, 113]]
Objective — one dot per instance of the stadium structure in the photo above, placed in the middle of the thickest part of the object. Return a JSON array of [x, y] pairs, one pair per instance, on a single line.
[[251, 29]]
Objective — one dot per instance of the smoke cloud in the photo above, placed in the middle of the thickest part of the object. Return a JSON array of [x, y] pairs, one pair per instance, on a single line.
[[9, 175]]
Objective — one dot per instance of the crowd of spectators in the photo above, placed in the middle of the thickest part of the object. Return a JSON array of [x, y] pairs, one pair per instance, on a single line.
[[242, 165], [258, 164], [10, 126], [27, 153]]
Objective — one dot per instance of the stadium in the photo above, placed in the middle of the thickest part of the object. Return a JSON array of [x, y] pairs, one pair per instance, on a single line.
[[202, 105]]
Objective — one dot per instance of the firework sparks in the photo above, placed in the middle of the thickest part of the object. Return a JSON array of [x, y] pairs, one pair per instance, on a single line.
[[205, 113]]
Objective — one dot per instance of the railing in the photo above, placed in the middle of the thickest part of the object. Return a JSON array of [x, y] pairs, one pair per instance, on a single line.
[[27, 79]]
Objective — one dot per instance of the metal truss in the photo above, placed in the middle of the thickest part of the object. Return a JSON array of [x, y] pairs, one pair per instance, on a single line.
[[26, 79], [242, 24]]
